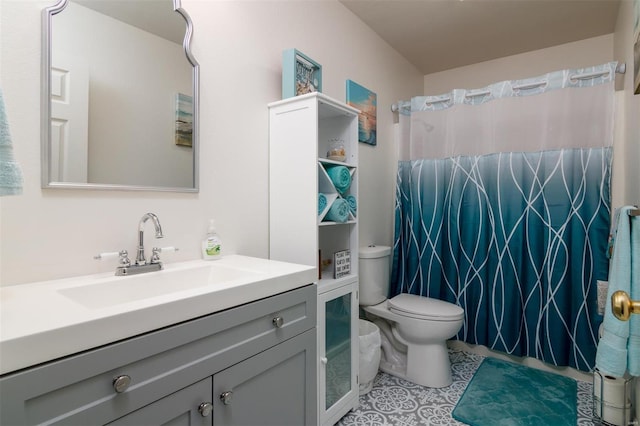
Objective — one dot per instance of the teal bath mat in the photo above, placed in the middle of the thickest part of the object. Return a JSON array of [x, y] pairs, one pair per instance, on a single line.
[[504, 393]]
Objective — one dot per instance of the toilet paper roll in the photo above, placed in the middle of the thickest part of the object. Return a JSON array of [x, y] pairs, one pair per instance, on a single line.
[[612, 415], [614, 391], [612, 399]]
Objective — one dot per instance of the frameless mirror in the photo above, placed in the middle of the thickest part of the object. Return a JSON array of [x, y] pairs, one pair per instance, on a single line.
[[119, 96]]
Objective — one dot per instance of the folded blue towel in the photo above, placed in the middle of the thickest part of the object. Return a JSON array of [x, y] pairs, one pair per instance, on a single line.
[[338, 212], [353, 204], [340, 177], [633, 348], [322, 202], [611, 357], [10, 173]]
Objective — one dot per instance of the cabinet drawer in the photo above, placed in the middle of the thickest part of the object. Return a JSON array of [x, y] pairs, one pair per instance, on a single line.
[[80, 389]]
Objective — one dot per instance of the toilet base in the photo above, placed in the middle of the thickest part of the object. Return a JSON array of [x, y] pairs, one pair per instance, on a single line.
[[365, 388], [430, 367], [394, 369]]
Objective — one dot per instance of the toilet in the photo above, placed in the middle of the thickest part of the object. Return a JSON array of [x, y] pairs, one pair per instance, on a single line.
[[414, 329]]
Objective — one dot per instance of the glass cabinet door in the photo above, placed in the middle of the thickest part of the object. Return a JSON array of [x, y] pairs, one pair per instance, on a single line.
[[338, 348], [337, 335]]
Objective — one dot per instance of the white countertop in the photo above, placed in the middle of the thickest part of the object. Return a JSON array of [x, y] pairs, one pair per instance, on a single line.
[[46, 320]]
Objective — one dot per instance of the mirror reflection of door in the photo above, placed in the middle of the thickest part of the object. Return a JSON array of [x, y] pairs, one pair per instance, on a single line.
[[69, 118]]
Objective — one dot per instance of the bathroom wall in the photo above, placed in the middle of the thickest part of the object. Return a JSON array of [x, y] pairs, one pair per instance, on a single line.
[[47, 233], [583, 53], [624, 39]]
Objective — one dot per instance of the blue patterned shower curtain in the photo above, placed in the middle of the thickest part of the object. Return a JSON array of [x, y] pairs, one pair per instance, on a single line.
[[502, 207]]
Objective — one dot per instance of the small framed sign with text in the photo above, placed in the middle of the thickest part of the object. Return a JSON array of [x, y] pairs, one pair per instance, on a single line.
[[342, 263]]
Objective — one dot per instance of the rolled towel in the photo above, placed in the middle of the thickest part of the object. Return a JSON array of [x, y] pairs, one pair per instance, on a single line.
[[353, 204], [339, 211], [340, 177], [322, 202]]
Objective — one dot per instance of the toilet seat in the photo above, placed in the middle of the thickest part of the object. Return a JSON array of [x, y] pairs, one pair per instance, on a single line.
[[424, 308]]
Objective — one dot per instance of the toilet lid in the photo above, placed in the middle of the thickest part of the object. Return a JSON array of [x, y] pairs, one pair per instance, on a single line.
[[415, 306]]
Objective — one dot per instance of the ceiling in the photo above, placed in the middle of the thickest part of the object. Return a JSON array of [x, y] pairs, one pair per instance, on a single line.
[[437, 35]]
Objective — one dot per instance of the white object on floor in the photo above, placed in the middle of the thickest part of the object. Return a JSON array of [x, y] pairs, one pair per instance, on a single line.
[[369, 335]]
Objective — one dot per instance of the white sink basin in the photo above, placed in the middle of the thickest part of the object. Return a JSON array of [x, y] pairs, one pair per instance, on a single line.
[[118, 290], [46, 320]]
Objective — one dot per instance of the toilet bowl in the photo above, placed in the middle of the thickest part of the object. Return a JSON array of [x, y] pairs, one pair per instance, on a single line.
[[414, 329]]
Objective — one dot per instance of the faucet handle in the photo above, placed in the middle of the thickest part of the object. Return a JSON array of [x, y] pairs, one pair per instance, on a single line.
[[123, 255], [155, 253], [124, 258]]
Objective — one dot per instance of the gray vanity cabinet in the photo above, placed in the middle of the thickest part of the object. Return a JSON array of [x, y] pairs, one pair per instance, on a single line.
[[262, 353], [182, 408], [269, 389]]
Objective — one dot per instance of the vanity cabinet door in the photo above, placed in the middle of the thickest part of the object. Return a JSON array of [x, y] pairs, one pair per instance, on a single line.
[[190, 406], [276, 387]]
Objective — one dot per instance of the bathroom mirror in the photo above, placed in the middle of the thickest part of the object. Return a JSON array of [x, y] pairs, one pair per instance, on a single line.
[[120, 95]]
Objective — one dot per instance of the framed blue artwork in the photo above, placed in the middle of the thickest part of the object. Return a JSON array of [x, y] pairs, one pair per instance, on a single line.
[[366, 101], [184, 120], [300, 74]]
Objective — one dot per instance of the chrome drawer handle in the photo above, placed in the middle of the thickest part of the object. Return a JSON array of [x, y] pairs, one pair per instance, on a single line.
[[205, 409], [225, 397], [121, 383], [278, 322]]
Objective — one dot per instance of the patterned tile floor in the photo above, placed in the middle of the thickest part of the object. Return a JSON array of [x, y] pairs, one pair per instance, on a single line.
[[397, 402]]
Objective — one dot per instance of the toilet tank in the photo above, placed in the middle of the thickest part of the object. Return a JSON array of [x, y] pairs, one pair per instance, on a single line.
[[374, 277]]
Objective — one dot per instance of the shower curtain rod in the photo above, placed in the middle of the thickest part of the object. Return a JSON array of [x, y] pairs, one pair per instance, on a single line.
[[621, 68]]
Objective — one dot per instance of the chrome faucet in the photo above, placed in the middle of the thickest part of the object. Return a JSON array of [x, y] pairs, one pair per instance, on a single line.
[[140, 266], [140, 260]]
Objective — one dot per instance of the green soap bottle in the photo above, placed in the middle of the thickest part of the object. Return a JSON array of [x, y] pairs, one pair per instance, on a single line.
[[212, 244]]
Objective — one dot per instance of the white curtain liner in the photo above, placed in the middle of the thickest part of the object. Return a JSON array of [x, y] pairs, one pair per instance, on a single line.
[[582, 77], [506, 117]]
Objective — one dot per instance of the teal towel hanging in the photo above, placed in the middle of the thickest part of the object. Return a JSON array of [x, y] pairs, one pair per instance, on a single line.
[[611, 356], [10, 173]]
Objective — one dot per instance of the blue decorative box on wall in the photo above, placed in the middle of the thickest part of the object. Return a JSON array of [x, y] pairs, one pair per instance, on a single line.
[[300, 74]]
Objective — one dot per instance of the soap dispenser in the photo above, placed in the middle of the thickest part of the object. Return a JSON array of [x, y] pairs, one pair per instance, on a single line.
[[211, 245]]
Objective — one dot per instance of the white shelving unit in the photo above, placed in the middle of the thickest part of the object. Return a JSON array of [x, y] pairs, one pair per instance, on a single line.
[[300, 131]]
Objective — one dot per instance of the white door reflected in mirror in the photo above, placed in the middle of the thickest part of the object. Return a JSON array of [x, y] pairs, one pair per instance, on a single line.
[[69, 118]]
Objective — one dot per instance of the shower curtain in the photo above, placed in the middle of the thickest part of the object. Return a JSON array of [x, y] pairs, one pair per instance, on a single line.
[[502, 207]]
